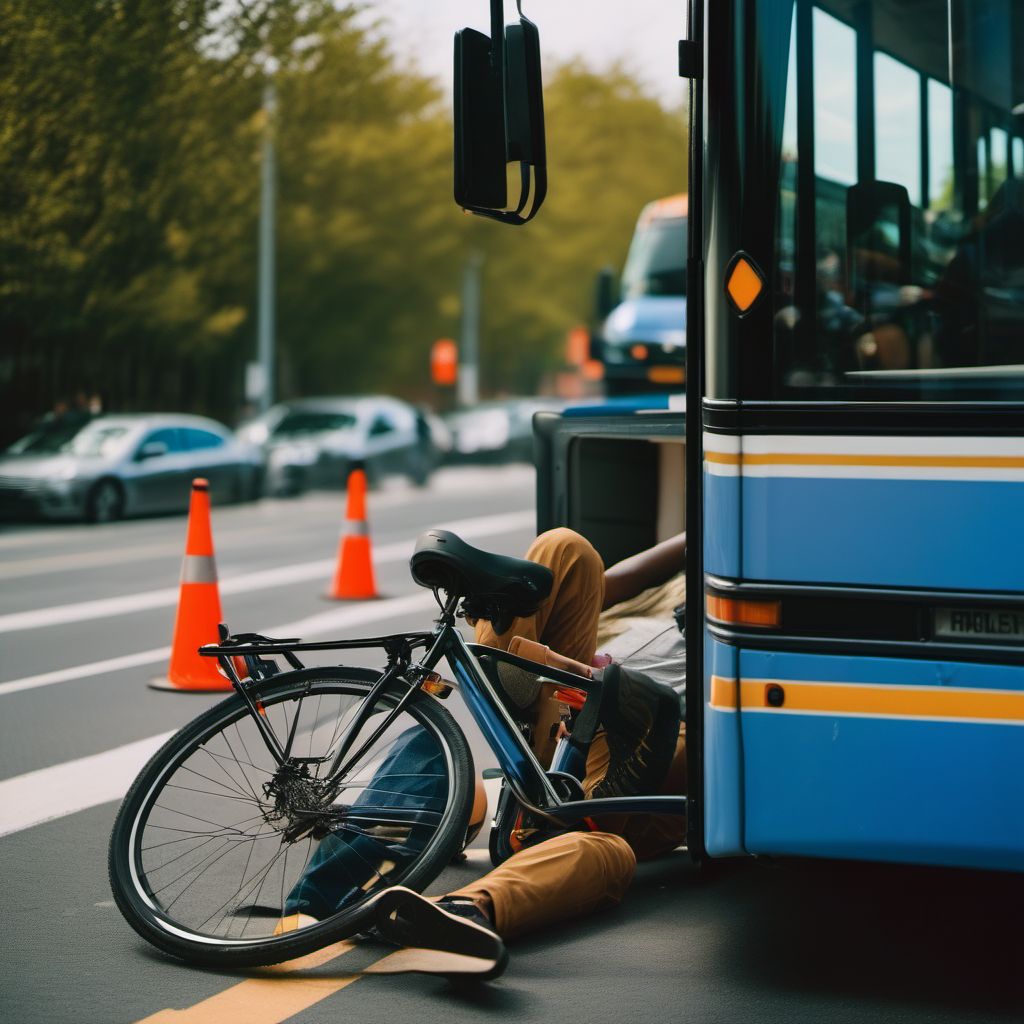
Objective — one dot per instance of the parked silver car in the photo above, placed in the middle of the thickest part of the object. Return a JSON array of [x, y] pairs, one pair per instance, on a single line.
[[497, 431], [124, 465], [315, 442]]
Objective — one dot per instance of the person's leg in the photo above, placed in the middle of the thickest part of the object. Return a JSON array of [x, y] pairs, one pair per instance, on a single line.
[[460, 935], [567, 619], [648, 835], [570, 875], [347, 865]]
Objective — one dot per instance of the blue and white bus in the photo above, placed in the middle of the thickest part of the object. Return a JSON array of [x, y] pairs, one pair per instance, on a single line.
[[848, 459], [856, 429]]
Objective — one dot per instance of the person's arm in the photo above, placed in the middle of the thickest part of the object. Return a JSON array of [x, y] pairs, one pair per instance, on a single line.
[[646, 569]]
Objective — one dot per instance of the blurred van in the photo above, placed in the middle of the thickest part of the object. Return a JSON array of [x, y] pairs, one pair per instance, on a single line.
[[641, 334]]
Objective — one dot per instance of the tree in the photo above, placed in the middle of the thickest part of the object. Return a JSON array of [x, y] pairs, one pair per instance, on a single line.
[[130, 135], [611, 149]]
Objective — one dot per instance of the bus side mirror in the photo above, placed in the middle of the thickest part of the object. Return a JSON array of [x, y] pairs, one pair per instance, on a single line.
[[499, 119]]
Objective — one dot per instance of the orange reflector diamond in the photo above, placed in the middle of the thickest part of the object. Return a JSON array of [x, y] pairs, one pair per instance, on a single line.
[[744, 284]]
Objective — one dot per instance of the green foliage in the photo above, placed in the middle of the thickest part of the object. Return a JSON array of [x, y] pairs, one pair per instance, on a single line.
[[130, 146], [611, 148]]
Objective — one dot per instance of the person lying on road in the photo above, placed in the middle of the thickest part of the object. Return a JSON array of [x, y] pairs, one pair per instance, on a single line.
[[641, 749]]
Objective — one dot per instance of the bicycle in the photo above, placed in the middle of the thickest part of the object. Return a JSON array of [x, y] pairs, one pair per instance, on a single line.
[[321, 787]]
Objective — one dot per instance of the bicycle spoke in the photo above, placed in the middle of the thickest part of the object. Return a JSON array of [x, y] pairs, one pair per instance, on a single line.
[[205, 821], [241, 740], [262, 875], [203, 792], [214, 782], [217, 760], [264, 771], [382, 820], [227, 840], [245, 869], [235, 756]]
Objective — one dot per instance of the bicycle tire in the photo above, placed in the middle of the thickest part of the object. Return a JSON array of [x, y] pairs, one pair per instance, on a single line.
[[130, 879]]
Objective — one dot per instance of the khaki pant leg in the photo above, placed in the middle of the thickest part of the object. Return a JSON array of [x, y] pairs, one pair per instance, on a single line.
[[649, 835], [568, 876], [567, 619]]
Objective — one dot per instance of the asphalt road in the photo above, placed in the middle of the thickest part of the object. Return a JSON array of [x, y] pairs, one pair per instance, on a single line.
[[85, 620]]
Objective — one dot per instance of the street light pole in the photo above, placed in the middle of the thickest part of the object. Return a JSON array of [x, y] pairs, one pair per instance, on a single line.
[[265, 304], [469, 350]]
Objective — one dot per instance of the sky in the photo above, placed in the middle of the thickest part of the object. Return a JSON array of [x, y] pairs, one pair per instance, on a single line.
[[640, 33]]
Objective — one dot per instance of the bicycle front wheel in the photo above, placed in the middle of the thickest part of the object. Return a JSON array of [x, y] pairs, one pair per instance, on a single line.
[[222, 856]]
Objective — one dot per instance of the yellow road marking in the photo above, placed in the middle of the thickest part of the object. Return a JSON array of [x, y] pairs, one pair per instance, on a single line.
[[281, 994]]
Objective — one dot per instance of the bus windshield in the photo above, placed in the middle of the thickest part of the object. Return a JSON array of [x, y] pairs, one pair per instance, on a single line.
[[656, 264], [899, 218]]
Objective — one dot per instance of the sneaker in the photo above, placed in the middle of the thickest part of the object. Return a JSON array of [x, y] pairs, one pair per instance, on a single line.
[[641, 721], [450, 936]]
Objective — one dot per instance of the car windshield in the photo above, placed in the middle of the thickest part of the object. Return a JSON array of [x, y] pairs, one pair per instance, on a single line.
[[313, 421], [656, 264], [47, 440], [105, 440]]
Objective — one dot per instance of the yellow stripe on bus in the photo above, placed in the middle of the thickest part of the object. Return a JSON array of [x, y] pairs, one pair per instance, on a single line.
[[724, 693], [870, 699]]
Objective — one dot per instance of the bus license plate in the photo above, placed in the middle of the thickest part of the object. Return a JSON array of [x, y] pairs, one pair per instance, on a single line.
[[1000, 624]]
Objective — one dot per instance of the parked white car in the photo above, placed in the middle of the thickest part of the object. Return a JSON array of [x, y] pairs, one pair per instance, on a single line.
[[316, 442]]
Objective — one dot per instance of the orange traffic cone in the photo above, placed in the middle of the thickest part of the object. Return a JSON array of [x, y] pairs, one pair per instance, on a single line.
[[353, 578], [198, 606]]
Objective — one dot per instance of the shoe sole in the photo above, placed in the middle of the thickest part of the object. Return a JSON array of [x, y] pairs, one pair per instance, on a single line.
[[438, 942]]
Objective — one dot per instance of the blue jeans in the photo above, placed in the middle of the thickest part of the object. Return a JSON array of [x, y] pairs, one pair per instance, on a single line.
[[346, 864]]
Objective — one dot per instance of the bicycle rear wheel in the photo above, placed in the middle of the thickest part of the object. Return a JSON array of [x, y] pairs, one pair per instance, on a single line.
[[217, 850]]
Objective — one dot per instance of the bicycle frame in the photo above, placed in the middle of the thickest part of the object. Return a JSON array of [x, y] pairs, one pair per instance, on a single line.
[[530, 783]]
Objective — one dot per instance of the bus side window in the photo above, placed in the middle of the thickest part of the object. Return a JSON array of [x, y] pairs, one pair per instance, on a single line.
[[930, 282]]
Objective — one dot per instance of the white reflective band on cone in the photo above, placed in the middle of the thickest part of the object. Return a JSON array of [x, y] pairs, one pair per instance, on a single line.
[[355, 528], [199, 569]]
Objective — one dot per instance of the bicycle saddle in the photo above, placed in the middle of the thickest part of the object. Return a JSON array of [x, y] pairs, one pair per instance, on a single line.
[[493, 587]]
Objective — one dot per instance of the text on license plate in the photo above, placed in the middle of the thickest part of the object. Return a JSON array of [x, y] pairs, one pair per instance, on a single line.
[[1005, 624]]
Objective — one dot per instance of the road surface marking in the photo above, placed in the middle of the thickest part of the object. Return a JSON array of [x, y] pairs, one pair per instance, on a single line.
[[62, 789], [72, 786], [84, 560], [325, 622], [95, 668], [263, 579], [281, 994]]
